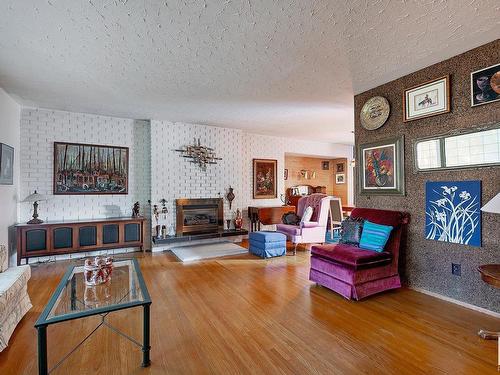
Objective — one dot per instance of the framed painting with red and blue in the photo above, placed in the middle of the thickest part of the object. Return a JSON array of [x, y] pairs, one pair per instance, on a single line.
[[381, 169]]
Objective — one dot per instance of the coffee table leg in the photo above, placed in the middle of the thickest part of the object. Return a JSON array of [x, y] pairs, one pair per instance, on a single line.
[[146, 347], [42, 350]]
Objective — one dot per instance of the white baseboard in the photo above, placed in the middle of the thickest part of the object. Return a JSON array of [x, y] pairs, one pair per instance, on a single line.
[[457, 302]]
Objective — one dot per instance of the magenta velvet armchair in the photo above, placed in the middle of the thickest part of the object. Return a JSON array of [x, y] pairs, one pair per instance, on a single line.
[[313, 231], [357, 273]]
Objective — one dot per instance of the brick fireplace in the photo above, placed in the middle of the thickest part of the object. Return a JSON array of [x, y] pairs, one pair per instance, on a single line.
[[196, 216]]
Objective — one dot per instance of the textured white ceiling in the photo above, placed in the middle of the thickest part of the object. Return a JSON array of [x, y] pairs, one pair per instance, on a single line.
[[272, 67]]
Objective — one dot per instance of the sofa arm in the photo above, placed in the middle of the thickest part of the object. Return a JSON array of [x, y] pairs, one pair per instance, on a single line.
[[4, 258]]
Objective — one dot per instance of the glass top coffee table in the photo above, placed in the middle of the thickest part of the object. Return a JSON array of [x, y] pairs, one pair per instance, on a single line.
[[73, 299]]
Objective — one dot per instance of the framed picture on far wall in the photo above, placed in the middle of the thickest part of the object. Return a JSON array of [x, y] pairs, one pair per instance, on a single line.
[[340, 167], [90, 169], [340, 178], [485, 85], [286, 174], [264, 179], [6, 164], [428, 99], [325, 165], [382, 167]]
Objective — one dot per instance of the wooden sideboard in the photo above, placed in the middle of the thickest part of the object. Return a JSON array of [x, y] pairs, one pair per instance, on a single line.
[[267, 215], [64, 237]]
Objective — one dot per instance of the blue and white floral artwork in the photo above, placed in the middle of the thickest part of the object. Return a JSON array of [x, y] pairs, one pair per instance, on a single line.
[[453, 212]]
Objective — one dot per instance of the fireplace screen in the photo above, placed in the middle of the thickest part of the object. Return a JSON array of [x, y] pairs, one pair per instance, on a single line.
[[199, 216]]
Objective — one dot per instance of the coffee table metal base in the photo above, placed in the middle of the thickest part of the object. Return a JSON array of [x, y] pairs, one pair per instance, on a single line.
[[145, 346]]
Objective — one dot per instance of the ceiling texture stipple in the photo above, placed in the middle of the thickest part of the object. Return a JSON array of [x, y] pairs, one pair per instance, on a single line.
[[286, 68]]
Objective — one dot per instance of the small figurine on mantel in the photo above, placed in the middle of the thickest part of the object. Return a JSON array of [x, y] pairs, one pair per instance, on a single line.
[[238, 221], [162, 220], [136, 209], [156, 225]]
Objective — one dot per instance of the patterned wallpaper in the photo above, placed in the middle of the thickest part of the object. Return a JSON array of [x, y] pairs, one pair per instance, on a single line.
[[427, 263]]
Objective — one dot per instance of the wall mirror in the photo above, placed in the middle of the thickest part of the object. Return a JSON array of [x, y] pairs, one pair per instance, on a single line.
[[477, 148]]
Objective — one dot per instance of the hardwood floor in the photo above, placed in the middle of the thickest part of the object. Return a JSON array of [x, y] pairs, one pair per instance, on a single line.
[[246, 315]]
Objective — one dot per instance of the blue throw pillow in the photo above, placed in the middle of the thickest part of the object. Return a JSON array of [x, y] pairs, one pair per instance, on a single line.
[[374, 236]]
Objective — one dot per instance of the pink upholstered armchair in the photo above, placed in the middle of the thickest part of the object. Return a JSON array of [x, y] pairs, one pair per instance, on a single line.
[[357, 273], [313, 231]]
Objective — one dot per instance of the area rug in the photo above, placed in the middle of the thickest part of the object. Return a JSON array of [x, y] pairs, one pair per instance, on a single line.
[[206, 251]]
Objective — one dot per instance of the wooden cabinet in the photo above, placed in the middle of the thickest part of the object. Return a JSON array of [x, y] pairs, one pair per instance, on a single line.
[[267, 215], [52, 238]]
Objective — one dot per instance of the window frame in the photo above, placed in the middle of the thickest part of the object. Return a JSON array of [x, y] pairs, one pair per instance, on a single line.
[[442, 152]]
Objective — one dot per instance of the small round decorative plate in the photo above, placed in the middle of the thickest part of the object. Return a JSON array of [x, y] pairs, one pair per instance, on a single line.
[[375, 113]]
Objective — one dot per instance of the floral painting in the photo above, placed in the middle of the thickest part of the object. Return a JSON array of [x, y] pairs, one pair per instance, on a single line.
[[379, 167], [264, 178], [382, 167], [453, 212]]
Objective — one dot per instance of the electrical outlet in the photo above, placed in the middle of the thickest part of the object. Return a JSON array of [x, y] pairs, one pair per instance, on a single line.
[[456, 269]]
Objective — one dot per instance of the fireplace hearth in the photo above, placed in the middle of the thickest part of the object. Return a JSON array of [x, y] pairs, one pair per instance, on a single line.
[[196, 216]]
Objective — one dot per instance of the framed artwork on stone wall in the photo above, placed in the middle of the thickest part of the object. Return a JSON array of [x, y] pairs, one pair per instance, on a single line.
[[453, 212], [382, 167], [485, 85], [90, 169], [264, 179], [6, 164], [427, 99]]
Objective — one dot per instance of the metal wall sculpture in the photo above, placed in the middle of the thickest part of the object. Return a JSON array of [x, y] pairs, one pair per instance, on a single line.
[[201, 155]]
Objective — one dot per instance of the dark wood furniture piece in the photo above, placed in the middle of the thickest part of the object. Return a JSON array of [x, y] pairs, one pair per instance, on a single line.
[[64, 237], [490, 273], [347, 209], [267, 215], [293, 200]]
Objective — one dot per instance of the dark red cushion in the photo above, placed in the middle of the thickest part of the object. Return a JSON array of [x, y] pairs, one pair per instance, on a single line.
[[383, 217], [351, 255]]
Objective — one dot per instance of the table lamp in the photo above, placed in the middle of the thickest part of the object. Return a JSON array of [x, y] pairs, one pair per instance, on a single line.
[[35, 198], [493, 205]]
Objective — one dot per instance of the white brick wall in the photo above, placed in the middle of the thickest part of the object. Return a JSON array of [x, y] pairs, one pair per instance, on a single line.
[[40, 128], [174, 177], [156, 171]]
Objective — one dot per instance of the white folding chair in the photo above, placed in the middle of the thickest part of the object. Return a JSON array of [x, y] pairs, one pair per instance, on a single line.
[[336, 215]]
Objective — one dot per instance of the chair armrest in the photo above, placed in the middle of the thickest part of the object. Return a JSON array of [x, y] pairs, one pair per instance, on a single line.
[[309, 224]]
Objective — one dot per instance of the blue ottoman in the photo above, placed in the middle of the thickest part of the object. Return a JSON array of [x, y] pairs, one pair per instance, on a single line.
[[267, 244]]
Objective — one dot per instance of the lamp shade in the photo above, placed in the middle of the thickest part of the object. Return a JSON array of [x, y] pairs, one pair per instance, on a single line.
[[35, 197], [493, 205]]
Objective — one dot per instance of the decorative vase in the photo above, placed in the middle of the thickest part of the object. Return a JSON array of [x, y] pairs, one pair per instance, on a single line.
[[238, 221], [230, 196], [98, 270]]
